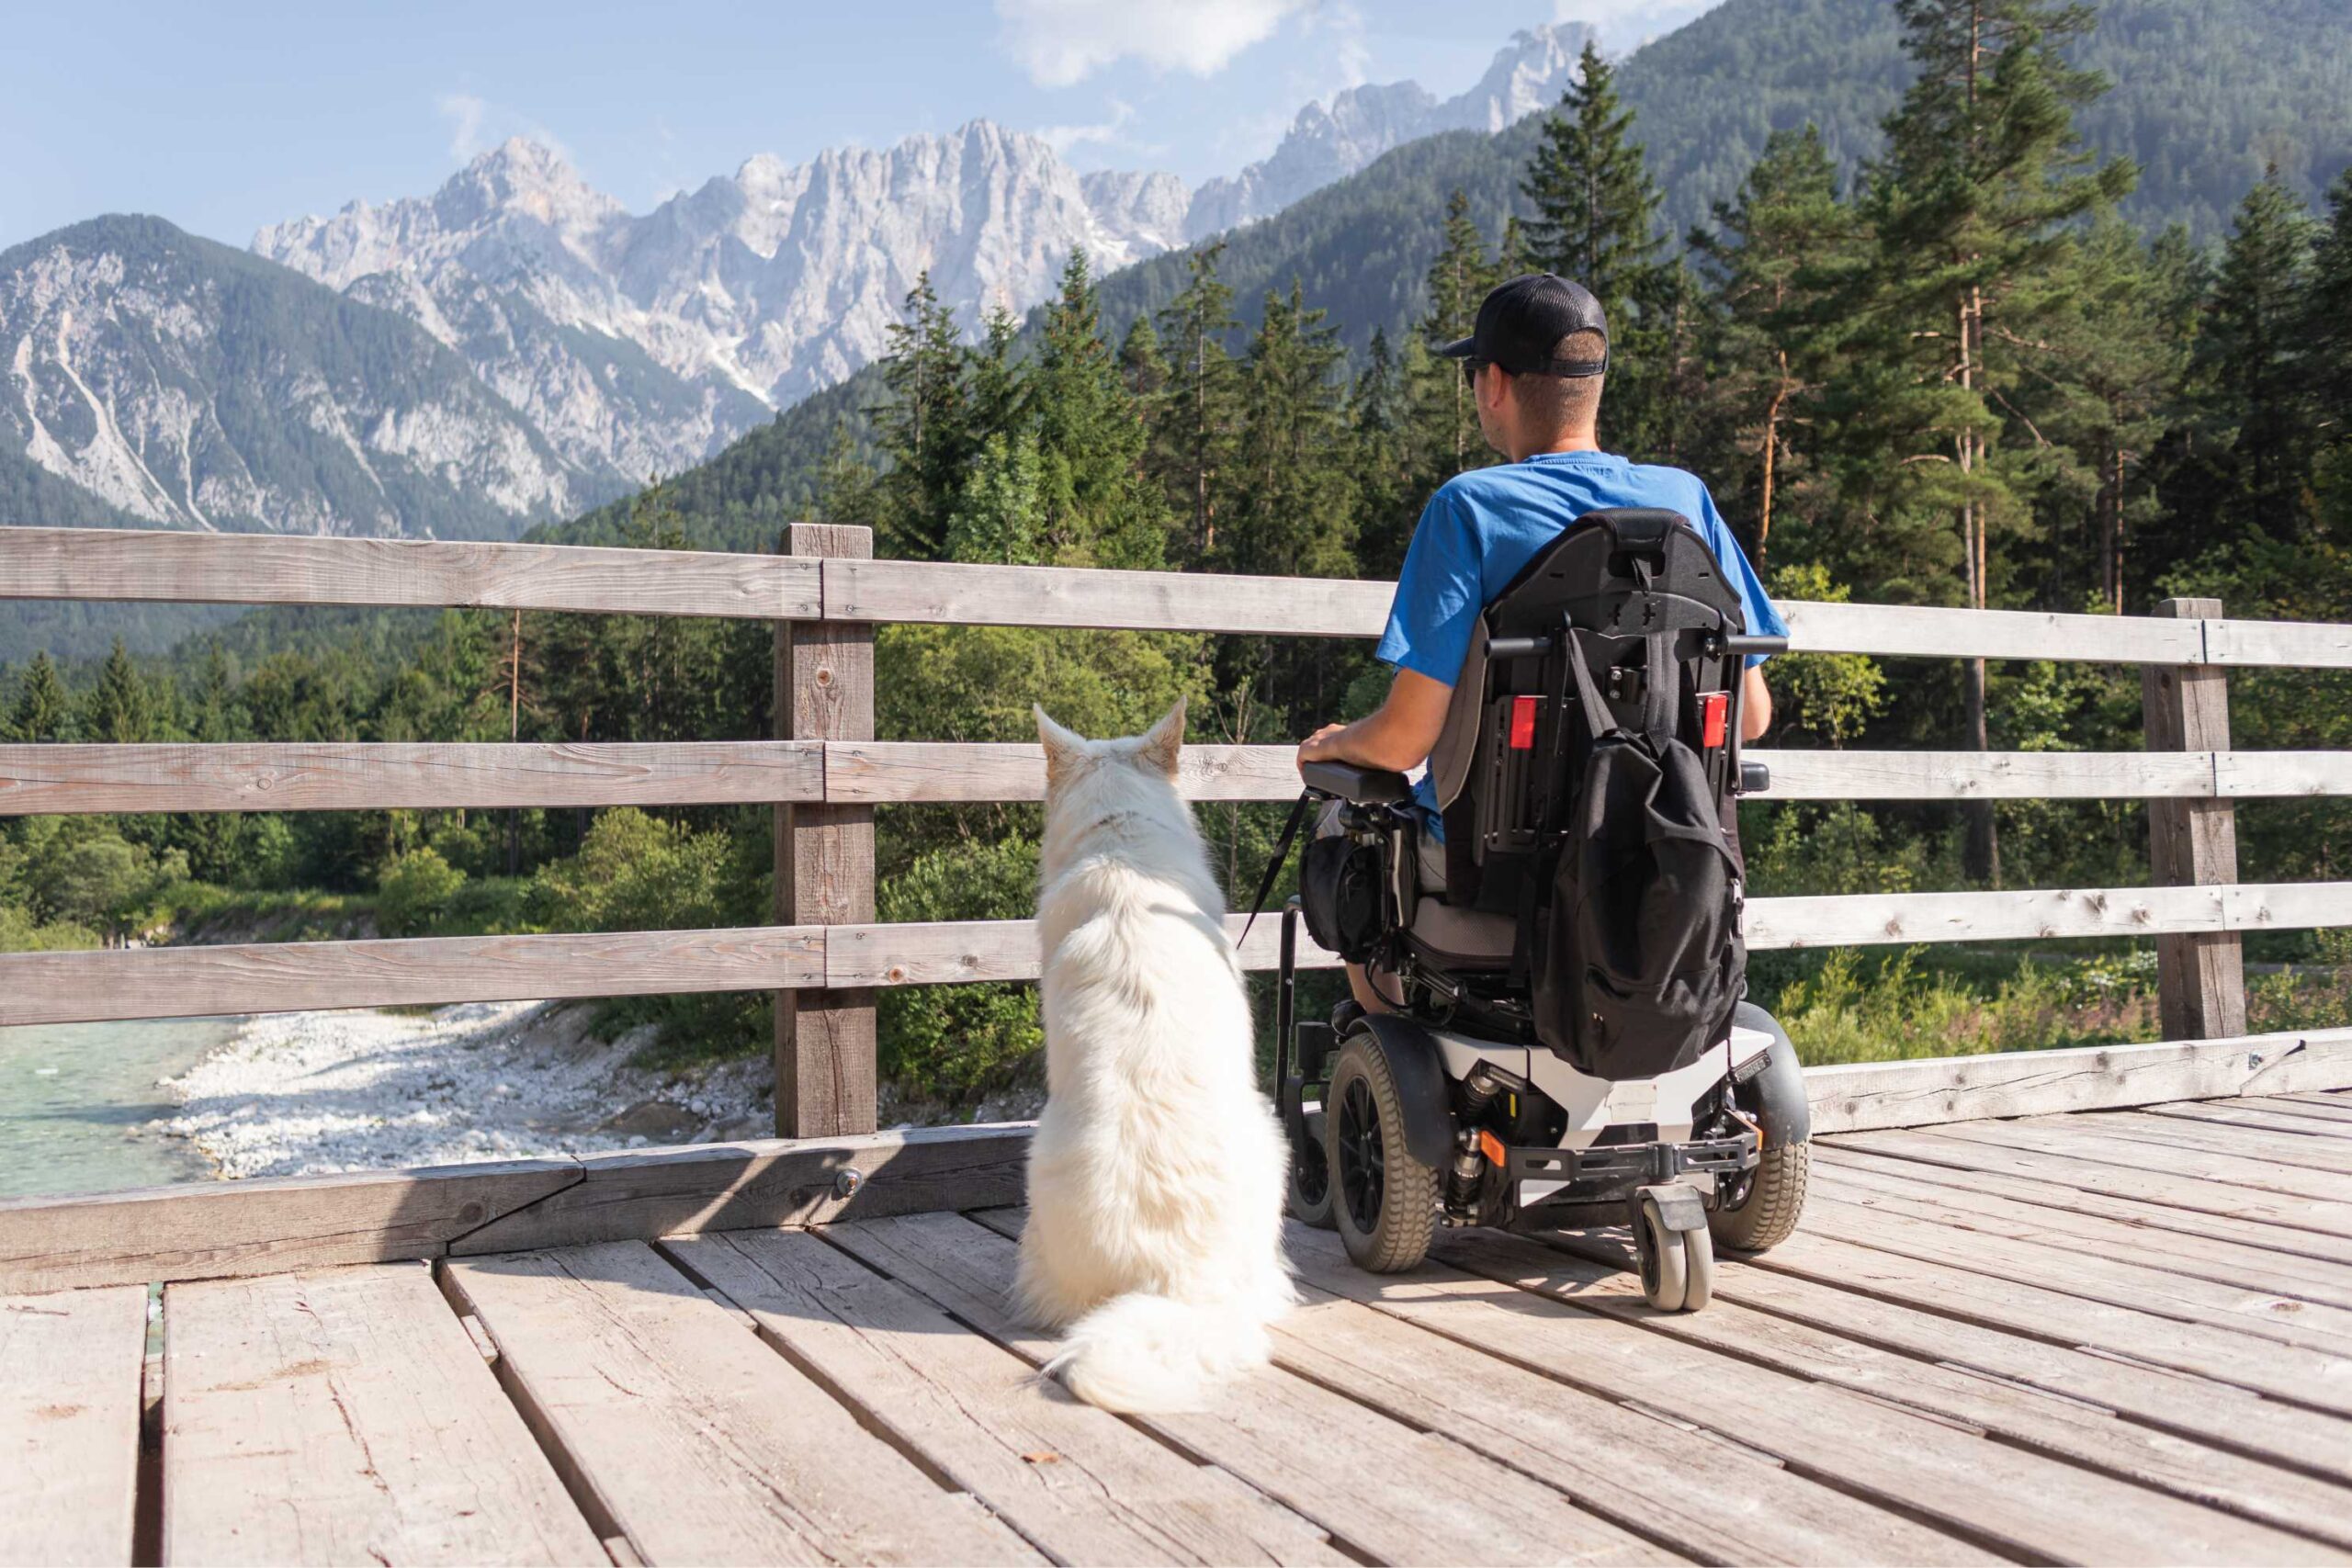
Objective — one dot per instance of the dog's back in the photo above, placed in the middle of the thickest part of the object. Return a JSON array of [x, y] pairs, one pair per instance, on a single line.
[[1154, 1179]]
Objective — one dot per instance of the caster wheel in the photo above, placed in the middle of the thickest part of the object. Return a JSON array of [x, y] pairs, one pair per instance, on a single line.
[[1384, 1201], [1307, 1197], [1677, 1267]]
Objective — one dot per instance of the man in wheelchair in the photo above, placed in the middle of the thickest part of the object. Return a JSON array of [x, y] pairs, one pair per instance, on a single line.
[[1542, 929]]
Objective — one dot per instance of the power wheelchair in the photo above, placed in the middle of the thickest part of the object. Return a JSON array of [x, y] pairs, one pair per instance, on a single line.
[[1468, 1104]]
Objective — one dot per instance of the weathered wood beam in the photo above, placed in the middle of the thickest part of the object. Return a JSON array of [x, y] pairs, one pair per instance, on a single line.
[[284, 569], [2200, 976], [360, 776]]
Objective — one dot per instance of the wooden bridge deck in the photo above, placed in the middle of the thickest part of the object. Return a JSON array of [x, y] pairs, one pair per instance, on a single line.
[[2106, 1336]]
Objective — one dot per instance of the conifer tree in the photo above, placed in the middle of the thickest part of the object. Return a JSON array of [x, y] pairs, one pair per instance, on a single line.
[[1141, 365], [1201, 405], [1973, 203], [120, 711], [1377, 414], [2260, 364], [2327, 319], [1097, 505], [1596, 206], [43, 712], [923, 427], [1782, 249], [1445, 416]]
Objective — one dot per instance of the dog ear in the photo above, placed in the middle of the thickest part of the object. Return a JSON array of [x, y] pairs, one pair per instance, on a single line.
[[1063, 747], [1163, 744]]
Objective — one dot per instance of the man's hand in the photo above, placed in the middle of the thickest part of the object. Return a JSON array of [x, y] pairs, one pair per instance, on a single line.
[[1318, 747], [1396, 737]]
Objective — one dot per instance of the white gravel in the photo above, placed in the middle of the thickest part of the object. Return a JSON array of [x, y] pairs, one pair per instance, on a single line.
[[296, 1094]]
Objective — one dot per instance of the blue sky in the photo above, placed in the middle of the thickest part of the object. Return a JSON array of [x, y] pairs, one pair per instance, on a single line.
[[223, 118]]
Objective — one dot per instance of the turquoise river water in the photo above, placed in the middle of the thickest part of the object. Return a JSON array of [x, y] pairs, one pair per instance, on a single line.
[[74, 1100]]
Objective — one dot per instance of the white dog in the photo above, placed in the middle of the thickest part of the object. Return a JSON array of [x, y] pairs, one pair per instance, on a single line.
[[1155, 1175]]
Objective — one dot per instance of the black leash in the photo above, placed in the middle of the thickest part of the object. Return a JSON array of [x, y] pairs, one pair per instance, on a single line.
[[1275, 866]]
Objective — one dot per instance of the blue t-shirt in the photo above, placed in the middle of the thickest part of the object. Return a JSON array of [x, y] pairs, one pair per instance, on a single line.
[[1482, 527]]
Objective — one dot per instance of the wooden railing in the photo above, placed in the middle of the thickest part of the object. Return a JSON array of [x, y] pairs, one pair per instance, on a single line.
[[824, 773]]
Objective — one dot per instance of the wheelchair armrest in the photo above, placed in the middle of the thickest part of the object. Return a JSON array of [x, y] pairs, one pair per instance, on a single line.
[[1362, 786]]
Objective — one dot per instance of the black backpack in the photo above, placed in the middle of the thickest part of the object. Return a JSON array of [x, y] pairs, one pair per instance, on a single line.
[[1598, 807]]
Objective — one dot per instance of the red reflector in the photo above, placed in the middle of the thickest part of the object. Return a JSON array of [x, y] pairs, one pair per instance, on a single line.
[[1523, 724], [1715, 712]]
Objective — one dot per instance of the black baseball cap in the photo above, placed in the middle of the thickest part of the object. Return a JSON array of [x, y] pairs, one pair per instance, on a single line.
[[1520, 321]]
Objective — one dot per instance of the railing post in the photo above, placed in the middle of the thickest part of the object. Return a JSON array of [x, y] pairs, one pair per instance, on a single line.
[[2200, 976], [824, 859]]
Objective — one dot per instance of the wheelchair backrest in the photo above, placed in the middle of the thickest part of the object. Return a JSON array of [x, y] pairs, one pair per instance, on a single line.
[[1646, 602]]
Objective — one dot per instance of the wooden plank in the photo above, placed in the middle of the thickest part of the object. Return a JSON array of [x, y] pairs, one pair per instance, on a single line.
[[1869, 918], [2175, 1189], [2238, 1113], [824, 1042], [1728, 1504], [1080, 1484], [642, 1193], [2250, 773], [1925, 631], [2319, 1152], [694, 1440], [285, 568], [2083, 1143], [2321, 1107], [2303, 645], [342, 1416], [2287, 905], [93, 778], [956, 951], [2200, 976], [1887, 1223], [2223, 1427], [928, 771], [2221, 1262], [923, 771], [1595, 1273], [2306, 1251], [1855, 1097], [2290, 1374], [1982, 775], [260, 1226], [1385, 1492], [200, 982], [69, 1423], [1071, 596], [2002, 1497]]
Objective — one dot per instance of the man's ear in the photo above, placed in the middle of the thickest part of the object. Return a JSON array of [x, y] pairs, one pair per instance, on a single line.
[[1163, 744], [1063, 747]]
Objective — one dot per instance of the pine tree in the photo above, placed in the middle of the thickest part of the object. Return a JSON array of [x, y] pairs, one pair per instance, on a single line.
[[1200, 412], [1596, 206], [43, 708], [924, 428], [1141, 365], [1782, 248], [121, 712], [1098, 507], [2327, 319], [2260, 365], [1983, 177], [1378, 411], [1445, 416]]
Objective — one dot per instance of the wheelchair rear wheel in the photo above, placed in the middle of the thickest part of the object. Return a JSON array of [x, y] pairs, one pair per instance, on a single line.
[[1384, 1201], [1766, 1217]]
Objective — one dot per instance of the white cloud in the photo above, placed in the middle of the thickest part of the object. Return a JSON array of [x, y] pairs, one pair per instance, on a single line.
[[465, 114], [1107, 132], [477, 125], [1059, 43], [1350, 49]]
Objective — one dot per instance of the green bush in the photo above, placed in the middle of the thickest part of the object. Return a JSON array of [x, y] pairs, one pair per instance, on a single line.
[[414, 890], [958, 1042]]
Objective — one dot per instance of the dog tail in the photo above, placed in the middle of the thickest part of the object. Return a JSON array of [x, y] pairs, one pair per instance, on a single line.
[[1142, 1354]]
